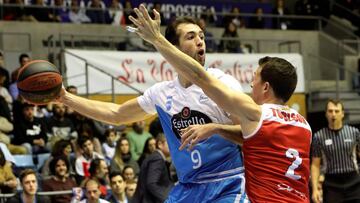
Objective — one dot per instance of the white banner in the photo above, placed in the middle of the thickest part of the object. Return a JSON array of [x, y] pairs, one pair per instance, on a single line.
[[141, 70]]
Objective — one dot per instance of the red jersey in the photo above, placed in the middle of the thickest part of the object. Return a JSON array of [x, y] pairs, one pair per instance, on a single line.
[[277, 157]]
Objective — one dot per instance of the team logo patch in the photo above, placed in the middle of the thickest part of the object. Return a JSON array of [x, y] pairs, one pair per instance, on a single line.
[[186, 118]]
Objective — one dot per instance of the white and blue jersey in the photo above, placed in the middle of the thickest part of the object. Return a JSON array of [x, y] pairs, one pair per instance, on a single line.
[[212, 160]]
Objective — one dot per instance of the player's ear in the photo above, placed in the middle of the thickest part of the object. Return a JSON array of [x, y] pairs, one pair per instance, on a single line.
[[266, 86]]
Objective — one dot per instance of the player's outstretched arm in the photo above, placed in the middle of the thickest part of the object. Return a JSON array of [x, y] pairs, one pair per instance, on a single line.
[[239, 104], [193, 134], [111, 113]]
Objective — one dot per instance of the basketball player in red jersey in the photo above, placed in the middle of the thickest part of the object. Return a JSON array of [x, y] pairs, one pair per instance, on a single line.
[[277, 139]]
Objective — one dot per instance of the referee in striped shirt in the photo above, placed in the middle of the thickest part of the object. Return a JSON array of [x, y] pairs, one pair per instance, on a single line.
[[338, 144]]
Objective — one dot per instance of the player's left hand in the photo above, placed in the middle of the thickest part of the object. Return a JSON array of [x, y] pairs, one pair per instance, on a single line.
[[193, 134], [147, 28]]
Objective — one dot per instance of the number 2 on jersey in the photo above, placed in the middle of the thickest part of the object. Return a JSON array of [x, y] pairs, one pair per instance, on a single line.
[[293, 153], [196, 159]]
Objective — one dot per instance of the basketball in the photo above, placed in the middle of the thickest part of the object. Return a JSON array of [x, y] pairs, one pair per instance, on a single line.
[[39, 82]]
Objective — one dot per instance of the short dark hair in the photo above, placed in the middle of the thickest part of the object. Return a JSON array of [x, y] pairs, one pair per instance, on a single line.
[[336, 102], [25, 173], [82, 139], [171, 33], [280, 74], [94, 165], [23, 56], [115, 173], [53, 162]]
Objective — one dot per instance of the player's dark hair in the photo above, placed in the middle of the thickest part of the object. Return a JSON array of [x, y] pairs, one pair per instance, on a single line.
[[171, 33], [280, 74]]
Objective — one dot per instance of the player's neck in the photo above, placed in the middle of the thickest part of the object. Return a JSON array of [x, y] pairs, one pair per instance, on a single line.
[[184, 82]]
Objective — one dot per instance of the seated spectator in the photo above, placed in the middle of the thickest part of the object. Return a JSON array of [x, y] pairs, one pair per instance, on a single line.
[[92, 193], [154, 182], [97, 13], [209, 15], [4, 71], [116, 13], [258, 21], [231, 45], [128, 10], [211, 45], [157, 7], [8, 181], [59, 126], [99, 171], [59, 13], [77, 14], [85, 130], [118, 185], [155, 126], [29, 185], [60, 148], [82, 163], [129, 173], [30, 131], [14, 92], [109, 145], [280, 10], [123, 157], [235, 18], [137, 138], [60, 180], [150, 147], [40, 13], [3, 91], [130, 189]]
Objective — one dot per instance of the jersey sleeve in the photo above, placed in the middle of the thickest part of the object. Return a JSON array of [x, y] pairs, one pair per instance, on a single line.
[[315, 146], [147, 100]]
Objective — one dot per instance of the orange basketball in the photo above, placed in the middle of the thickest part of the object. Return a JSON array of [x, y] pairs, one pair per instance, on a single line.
[[39, 82]]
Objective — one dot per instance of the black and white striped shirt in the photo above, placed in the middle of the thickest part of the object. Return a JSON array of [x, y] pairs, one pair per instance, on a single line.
[[339, 148]]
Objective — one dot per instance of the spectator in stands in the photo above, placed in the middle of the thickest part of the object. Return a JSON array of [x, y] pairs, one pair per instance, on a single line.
[[92, 194], [130, 188], [4, 92], [83, 162], [59, 126], [86, 129], [97, 13], [137, 138], [209, 15], [154, 182], [155, 127], [150, 147], [129, 173], [6, 127], [23, 59], [128, 10], [40, 13], [61, 148], [123, 157], [116, 13], [339, 144], [60, 180], [306, 8], [157, 7], [30, 131], [235, 18], [118, 185], [29, 184], [211, 45], [59, 13], [280, 10], [4, 71], [77, 14], [231, 44], [8, 181], [258, 21], [109, 146], [99, 171]]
